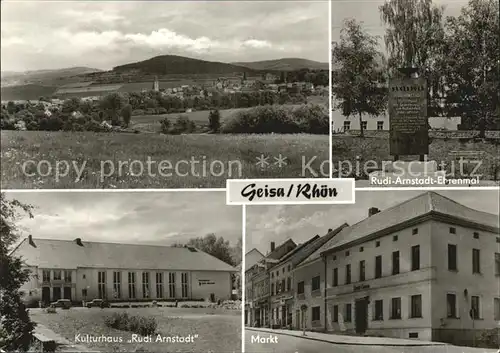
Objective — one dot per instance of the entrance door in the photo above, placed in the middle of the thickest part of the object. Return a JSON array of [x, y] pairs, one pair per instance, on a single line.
[[67, 293], [361, 311], [56, 293], [46, 295]]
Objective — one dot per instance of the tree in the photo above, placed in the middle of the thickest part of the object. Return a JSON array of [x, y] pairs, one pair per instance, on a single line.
[[16, 328], [71, 105], [213, 245], [214, 120], [472, 65], [414, 38], [126, 114], [358, 79], [111, 105]]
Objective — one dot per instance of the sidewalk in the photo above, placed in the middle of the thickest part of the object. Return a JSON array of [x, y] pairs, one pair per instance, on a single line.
[[349, 340], [63, 344]]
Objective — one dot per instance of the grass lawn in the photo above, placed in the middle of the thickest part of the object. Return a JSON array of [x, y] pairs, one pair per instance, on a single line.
[[216, 158], [217, 330], [347, 148]]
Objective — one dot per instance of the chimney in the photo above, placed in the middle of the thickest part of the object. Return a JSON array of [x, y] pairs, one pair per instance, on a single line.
[[78, 241], [273, 246], [372, 211], [330, 230]]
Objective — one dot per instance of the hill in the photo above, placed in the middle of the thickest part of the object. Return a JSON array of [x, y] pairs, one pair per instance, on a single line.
[[285, 64], [45, 77], [173, 64]]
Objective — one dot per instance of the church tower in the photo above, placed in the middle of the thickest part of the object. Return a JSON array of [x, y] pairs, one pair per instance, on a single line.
[[156, 85]]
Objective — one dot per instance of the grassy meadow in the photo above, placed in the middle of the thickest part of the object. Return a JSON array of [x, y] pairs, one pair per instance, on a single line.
[[217, 330], [230, 156]]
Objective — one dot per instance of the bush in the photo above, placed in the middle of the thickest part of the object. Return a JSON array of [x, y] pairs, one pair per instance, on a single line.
[[165, 126], [214, 120], [138, 324], [183, 125]]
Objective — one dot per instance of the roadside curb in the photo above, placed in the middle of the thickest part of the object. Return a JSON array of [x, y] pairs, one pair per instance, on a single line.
[[430, 344]]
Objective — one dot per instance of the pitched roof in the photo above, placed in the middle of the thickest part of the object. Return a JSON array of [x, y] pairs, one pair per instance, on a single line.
[[67, 254], [421, 205], [278, 250]]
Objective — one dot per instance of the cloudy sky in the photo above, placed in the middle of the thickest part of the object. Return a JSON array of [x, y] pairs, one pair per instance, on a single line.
[[300, 223], [367, 12], [50, 35], [130, 217]]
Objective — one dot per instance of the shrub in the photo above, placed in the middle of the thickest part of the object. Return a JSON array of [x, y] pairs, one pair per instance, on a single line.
[[183, 125], [214, 120], [261, 120], [165, 125], [138, 112], [312, 119], [138, 324]]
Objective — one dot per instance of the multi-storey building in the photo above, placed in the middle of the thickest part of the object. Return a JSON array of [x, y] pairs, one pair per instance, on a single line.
[[428, 268], [283, 280], [257, 278], [78, 270]]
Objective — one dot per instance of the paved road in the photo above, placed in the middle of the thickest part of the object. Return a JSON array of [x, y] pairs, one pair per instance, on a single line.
[[288, 344]]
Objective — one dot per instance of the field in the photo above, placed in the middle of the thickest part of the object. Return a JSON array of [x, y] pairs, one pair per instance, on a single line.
[[217, 330], [152, 122], [114, 160], [348, 148]]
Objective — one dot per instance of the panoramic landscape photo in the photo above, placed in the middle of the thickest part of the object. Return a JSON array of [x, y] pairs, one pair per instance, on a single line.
[[415, 85], [163, 94]]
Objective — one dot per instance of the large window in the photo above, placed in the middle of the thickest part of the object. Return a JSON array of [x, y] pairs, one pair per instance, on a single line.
[[452, 257], [348, 313], [316, 313], [57, 275], [171, 284], [348, 274], [451, 305], [145, 285], [475, 307], [378, 313], [415, 257], [289, 284], [395, 262], [131, 285], [300, 288], [335, 277], [347, 125], [416, 306], [159, 284], [67, 276], [46, 275], [101, 284], [396, 308], [380, 125], [117, 285], [184, 285], [362, 270], [378, 266], [315, 283], [476, 261], [496, 309]]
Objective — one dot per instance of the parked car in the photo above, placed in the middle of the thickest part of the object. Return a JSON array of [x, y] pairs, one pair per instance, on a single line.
[[61, 303], [98, 303]]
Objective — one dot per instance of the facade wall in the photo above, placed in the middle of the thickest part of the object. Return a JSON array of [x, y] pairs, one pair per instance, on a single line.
[[403, 285], [280, 306], [312, 299], [84, 285], [463, 283]]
